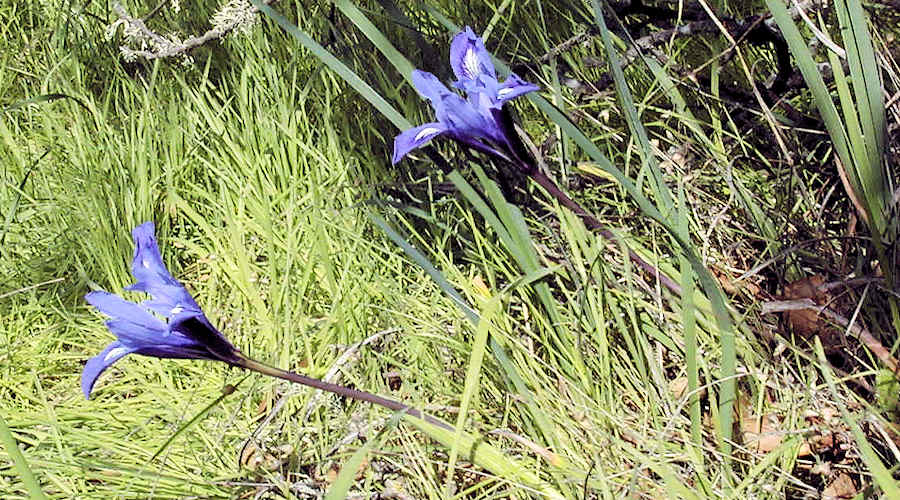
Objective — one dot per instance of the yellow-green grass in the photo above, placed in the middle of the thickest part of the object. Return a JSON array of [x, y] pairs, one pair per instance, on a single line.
[[263, 170]]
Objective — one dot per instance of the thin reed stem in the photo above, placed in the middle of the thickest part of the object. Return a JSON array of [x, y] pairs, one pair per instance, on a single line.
[[340, 390]]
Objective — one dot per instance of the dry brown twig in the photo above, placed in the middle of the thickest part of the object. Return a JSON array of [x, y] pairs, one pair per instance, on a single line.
[[866, 337]]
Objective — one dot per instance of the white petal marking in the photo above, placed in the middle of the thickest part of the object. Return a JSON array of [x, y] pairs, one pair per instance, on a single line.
[[145, 263], [175, 310], [425, 132], [114, 352], [503, 92], [470, 63]]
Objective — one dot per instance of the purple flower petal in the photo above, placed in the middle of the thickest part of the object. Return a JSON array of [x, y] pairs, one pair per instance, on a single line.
[[171, 304], [169, 352], [429, 86], [116, 307], [96, 365], [137, 335], [415, 138], [469, 58], [147, 265], [464, 118], [186, 333], [511, 88], [476, 121], [152, 275]]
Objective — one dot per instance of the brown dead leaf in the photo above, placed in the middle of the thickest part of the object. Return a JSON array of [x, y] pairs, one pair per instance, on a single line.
[[821, 469], [335, 469], [678, 387], [247, 456], [761, 434], [727, 285], [821, 443], [809, 323], [805, 322], [255, 459], [732, 287], [332, 474], [841, 487], [826, 423]]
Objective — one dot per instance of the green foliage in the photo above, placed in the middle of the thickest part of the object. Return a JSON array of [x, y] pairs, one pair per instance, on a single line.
[[888, 388], [468, 292], [858, 130], [20, 462]]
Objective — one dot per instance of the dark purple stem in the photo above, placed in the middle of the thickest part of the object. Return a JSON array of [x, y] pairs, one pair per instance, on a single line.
[[524, 161], [337, 389], [595, 225]]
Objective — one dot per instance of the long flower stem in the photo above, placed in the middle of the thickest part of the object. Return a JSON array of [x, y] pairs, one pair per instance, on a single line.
[[340, 390], [595, 225]]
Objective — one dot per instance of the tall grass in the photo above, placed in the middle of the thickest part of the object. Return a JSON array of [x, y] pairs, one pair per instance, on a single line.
[[473, 296]]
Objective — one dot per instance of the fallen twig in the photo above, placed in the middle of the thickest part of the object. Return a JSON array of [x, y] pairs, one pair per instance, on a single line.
[[234, 15], [866, 337]]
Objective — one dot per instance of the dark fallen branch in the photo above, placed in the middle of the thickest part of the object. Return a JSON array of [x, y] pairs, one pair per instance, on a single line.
[[631, 17]]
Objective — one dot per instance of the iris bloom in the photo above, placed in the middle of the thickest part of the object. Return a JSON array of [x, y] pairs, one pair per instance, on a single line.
[[477, 120], [169, 325], [185, 332]]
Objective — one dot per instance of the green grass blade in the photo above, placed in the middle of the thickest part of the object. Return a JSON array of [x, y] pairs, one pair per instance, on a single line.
[[626, 100], [489, 215], [717, 299], [855, 137], [11, 213], [498, 350], [789, 447], [670, 88], [429, 55], [341, 69], [485, 455], [882, 475], [824, 103], [398, 60], [709, 284], [866, 78], [507, 221], [473, 373], [812, 76], [423, 262], [227, 391], [44, 98], [691, 354], [341, 486], [18, 460]]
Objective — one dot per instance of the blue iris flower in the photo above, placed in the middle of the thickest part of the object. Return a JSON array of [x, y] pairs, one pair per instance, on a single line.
[[477, 120], [474, 70], [140, 328]]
